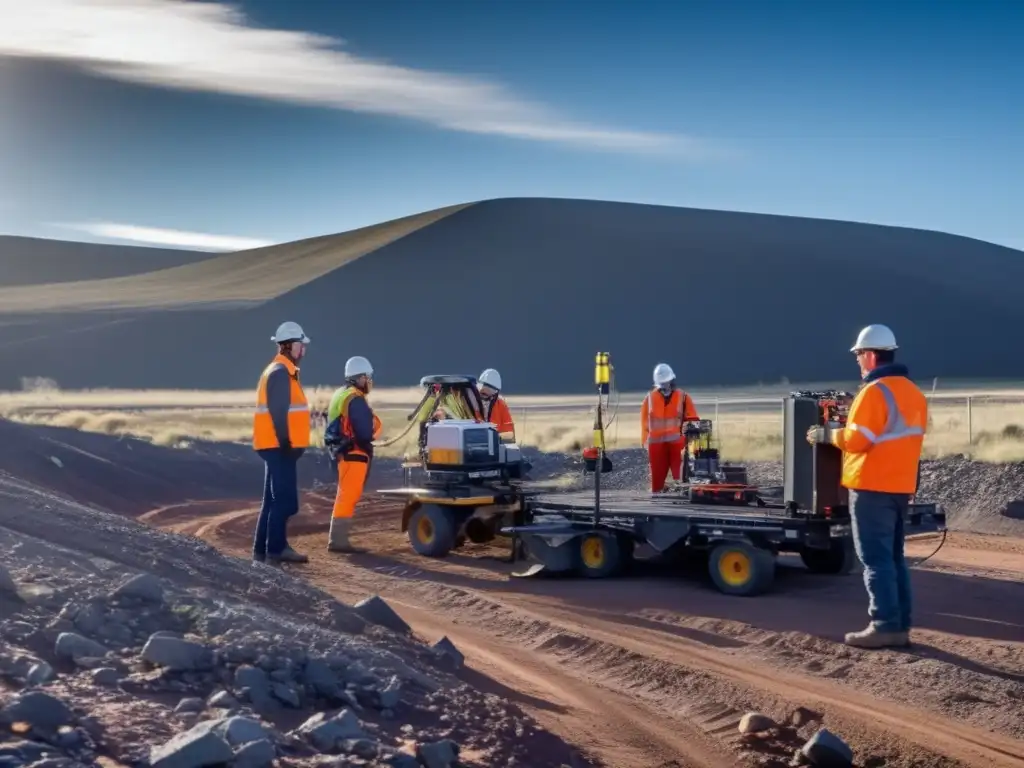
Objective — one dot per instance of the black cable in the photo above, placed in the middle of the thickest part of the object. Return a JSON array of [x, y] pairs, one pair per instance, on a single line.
[[925, 559]]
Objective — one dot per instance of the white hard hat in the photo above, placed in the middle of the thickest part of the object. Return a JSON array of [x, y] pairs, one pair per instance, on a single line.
[[490, 378], [289, 331], [663, 374], [875, 337], [357, 366]]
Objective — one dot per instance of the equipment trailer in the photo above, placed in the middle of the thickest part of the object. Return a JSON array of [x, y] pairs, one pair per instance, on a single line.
[[468, 482], [743, 530]]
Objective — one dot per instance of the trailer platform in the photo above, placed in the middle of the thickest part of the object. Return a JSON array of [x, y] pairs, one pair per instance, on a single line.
[[564, 534]]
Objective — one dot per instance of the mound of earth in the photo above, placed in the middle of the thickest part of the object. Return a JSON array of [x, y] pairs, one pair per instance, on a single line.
[[124, 645], [564, 259]]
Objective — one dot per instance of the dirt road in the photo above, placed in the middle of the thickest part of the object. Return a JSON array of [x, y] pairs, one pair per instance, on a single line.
[[656, 669]]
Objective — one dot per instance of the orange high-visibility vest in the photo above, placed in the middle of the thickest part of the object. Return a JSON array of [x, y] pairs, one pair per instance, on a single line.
[[883, 437], [662, 422], [344, 399], [501, 417], [263, 434]]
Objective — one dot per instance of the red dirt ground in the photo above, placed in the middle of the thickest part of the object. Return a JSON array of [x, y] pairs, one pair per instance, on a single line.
[[656, 669]]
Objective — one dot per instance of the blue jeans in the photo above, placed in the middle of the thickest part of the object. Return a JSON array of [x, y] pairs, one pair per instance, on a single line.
[[878, 539], [280, 502]]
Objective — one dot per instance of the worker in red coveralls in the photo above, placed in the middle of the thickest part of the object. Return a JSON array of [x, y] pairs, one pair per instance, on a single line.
[[663, 414]]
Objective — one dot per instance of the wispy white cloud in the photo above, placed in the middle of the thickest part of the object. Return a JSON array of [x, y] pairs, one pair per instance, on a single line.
[[209, 46], [200, 241]]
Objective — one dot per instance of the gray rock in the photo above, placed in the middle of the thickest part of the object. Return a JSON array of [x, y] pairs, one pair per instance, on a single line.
[[826, 750], [755, 722], [256, 685], [237, 731], [71, 647], [195, 748], [191, 704], [175, 654], [446, 649], [7, 585], [40, 673], [145, 586], [438, 754], [391, 694], [222, 700], [364, 748], [255, 754], [28, 751], [401, 760], [321, 678], [11, 761], [41, 710], [376, 611], [285, 694], [106, 676], [55, 762], [90, 618], [328, 733]]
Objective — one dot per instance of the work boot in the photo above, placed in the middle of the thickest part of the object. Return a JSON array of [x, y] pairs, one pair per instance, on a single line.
[[337, 538], [875, 638], [288, 555]]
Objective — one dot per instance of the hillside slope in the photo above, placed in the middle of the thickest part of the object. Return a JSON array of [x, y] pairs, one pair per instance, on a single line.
[[534, 287], [30, 260]]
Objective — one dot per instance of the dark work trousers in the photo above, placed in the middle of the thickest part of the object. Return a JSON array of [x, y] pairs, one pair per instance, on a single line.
[[280, 501], [878, 538]]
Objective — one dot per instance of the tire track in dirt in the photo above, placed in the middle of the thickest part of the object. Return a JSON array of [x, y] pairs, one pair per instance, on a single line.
[[519, 632]]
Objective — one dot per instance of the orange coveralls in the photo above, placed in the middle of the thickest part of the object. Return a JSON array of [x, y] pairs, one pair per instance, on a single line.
[[661, 428]]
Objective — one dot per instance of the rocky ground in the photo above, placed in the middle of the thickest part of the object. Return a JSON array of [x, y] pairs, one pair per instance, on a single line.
[[105, 664], [125, 645]]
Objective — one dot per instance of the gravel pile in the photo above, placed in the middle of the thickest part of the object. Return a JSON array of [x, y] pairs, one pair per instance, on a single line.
[[103, 664]]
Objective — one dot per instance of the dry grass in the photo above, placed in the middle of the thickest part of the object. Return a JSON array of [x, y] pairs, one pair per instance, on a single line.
[[178, 418]]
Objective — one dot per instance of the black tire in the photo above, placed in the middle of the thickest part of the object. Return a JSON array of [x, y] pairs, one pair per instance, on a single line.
[[432, 531], [600, 555], [838, 560], [738, 568]]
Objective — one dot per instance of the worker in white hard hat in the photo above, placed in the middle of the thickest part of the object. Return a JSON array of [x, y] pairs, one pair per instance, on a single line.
[[663, 416], [496, 410], [352, 426], [280, 435], [881, 445]]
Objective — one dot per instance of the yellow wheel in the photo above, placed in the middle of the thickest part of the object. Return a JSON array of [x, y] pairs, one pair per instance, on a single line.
[[425, 531], [592, 552], [739, 568], [600, 555], [432, 530]]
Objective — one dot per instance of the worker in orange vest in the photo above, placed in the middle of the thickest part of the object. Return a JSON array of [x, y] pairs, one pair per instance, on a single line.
[[881, 445], [280, 435], [352, 426], [663, 415], [496, 410]]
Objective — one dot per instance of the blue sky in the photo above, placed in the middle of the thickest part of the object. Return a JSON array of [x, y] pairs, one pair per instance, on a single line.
[[223, 125]]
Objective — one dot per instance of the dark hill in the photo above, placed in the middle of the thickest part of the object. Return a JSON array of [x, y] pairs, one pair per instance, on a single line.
[[534, 287], [29, 260]]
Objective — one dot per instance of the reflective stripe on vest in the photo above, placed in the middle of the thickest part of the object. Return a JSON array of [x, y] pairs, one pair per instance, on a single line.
[[895, 426], [665, 429]]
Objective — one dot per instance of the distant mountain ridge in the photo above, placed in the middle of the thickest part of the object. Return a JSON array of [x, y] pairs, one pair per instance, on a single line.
[[534, 287], [32, 260]]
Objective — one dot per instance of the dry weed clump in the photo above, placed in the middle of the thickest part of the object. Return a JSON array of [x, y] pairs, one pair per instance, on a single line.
[[180, 418]]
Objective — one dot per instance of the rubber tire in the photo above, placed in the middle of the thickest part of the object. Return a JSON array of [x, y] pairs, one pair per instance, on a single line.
[[839, 560], [611, 555], [761, 563], [444, 528]]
